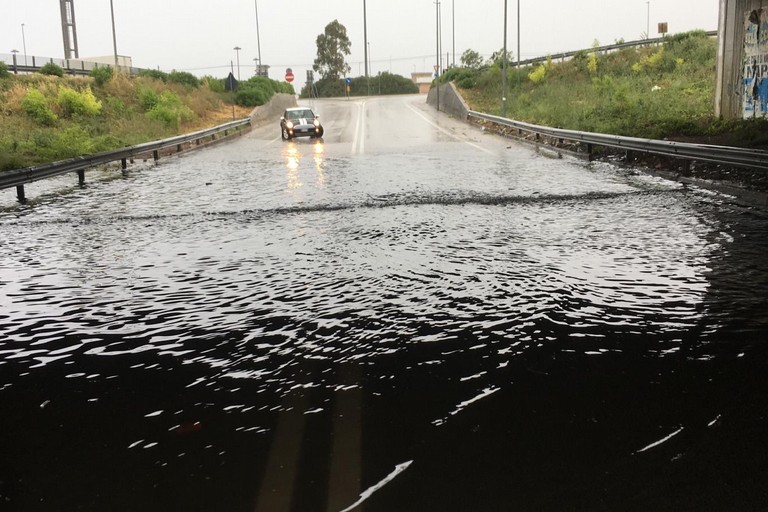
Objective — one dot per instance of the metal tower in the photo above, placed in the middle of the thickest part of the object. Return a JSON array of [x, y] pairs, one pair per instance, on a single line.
[[69, 29]]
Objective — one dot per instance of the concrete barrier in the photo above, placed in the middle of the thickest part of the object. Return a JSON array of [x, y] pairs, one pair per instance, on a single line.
[[273, 109], [450, 101]]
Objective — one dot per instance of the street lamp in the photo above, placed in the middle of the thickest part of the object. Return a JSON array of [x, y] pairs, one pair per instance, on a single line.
[[237, 50], [24, 42], [15, 67], [114, 34], [504, 67], [437, 49], [258, 37], [648, 21], [365, 39]]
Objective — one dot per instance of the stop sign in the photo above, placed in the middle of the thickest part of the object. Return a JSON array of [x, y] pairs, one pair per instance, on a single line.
[[289, 75]]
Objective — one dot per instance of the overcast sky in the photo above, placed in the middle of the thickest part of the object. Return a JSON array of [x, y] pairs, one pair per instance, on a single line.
[[200, 35]]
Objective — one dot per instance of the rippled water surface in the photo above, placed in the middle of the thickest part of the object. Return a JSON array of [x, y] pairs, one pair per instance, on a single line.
[[280, 327]]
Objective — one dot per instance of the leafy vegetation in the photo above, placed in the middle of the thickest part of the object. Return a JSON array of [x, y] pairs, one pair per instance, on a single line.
[[45, 118], [52, 70], [333, 46], [381, 84], [651, 91]]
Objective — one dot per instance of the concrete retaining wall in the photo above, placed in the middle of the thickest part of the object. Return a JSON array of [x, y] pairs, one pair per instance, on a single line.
[[742, 92], [450, 101], [273, 109]]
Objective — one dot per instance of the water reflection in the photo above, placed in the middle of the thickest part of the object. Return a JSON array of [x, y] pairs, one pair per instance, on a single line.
[[288, 358]]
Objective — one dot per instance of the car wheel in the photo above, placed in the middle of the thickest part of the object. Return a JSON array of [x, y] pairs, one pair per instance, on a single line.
[[319, 134], [285, 134]]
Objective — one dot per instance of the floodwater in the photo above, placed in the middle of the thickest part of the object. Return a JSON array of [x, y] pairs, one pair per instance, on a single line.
[[410, 315]]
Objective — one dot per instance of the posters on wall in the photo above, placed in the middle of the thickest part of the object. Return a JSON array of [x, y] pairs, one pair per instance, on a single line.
[[756, 64]]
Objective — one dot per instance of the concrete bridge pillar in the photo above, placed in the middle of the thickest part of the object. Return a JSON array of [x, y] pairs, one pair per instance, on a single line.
[[742, 61]]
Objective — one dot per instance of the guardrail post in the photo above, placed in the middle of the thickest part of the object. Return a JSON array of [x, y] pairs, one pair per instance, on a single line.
[[20, 194], [590, 147], [178, 148], [629, 156], [124, 163], [156, 155], [81, 177]]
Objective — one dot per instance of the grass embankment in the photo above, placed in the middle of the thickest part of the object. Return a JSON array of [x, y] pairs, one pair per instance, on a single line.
[[664, 91], [45, 118]]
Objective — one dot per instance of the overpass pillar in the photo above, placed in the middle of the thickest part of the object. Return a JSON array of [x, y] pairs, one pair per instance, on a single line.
[[742, 60]]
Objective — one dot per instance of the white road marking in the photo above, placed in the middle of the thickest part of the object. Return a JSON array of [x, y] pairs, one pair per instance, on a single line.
[[450, 134], [358, 144]]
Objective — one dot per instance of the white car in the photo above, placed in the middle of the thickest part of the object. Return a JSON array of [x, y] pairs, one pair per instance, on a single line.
[[300, 122]]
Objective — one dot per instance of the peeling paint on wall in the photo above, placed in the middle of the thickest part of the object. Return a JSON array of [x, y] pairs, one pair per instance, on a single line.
[[756, 64]]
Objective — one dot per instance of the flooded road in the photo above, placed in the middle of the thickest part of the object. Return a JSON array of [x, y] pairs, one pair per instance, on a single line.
[[410, 315]]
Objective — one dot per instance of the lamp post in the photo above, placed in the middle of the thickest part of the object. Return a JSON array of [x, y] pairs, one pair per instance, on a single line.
[[237, 51], [258, 37], [114, 33], [365, 38], [24, 42], [256, 65], [15, 67], [437, 49], [504, 67], [648, 21], [453, 31]]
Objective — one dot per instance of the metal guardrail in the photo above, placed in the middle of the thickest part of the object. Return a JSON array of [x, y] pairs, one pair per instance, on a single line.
[[602, 49], [19, 177], [725, 155]]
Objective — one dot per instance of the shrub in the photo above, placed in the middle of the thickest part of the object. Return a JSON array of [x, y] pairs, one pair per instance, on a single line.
[[102, 75], [214, 84], [148, 98], [35, 105], [73, 103], [71, 142], [170, 110], [4, 70], [52, 69], [183, 78], [253, 96], [155, 74]]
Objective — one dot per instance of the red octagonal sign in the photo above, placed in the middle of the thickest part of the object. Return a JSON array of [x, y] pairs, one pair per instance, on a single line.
[[289, 75]]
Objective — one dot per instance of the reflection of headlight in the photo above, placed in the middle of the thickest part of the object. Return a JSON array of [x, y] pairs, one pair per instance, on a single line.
[[289, 125]]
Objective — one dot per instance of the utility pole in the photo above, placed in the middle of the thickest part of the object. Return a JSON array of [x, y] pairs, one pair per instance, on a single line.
[[114, 35], [453, 22], [258, 37], [437, 43], [504, 67]]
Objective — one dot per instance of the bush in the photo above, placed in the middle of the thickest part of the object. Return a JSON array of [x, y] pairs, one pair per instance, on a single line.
[[71, 142], [35, 105], [4, 70], [148, 98], [183, 78], [83, 104], [170, 110], [213, 84], [155, 74], [253, 96], [52, 69], [102, 75]]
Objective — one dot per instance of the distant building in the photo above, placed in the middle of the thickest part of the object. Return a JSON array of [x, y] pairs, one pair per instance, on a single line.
[[423, 81]]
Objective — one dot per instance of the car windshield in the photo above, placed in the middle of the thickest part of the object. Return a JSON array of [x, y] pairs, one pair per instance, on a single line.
[[299, 114]]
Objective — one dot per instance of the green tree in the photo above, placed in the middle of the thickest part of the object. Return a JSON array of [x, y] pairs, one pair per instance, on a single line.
[[52, 69], [471, 59], [332, 47]]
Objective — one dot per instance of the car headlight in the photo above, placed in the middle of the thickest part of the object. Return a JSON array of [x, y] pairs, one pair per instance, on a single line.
[[317, 123], [289, 125]]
